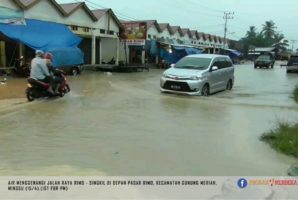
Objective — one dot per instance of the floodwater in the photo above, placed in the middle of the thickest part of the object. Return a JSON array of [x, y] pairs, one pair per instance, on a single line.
[[121, 124]]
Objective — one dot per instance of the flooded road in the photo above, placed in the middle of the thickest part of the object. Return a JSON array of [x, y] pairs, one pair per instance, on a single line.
[[121, 124]]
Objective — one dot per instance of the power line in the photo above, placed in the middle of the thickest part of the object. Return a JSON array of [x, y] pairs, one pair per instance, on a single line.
[[116, 12], [203, 6]]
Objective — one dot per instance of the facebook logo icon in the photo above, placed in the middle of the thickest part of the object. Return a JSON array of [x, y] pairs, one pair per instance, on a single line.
[[242, 183]]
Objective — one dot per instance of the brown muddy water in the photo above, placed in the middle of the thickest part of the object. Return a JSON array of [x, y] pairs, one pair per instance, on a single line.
[[121, 124]]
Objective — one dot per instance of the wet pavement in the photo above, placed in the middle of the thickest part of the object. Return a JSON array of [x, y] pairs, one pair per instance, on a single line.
[[121, 124]]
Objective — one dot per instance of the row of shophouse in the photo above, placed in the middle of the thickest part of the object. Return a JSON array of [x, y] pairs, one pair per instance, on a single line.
[[105, 38]]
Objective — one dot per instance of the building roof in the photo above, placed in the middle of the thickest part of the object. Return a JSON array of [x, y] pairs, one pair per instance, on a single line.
[[202, 35], [163, 26], [174, 29], [25, 4], [193, 33], [185, 31], [99, 13], [70, 8]]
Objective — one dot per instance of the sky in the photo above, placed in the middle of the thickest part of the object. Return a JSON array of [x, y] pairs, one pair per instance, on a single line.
[[207, 15]]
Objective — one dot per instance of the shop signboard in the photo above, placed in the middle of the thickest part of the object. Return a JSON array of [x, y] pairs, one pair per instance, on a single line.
[[135, 31], [134, 42]]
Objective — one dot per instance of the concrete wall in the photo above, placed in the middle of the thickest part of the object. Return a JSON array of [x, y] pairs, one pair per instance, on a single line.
[[186, 39], [164, 34], [8, 4], [153, 32], [176, 36]]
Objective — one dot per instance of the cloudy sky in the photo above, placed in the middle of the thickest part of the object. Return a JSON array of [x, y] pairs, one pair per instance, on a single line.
[[207, 15]]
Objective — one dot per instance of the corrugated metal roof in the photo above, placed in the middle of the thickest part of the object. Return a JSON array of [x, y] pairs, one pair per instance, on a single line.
[[99, 13], [69, 7], [27, 2], [163, 26]]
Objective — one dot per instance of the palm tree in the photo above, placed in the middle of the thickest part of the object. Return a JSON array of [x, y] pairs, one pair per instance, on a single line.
[[269, 29], [252, 32]]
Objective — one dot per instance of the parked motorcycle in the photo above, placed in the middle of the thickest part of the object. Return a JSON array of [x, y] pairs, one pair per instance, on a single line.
[[38, 89], [21, 68]]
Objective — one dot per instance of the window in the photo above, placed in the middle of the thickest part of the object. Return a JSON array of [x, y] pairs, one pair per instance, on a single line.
[[220, 63], [111, 32], [74, 28], [228, 63], [102, 31], [86, 29], [149, 36], [154, 37]]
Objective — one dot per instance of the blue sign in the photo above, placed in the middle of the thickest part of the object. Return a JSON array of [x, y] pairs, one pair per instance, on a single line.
[[242, 183]]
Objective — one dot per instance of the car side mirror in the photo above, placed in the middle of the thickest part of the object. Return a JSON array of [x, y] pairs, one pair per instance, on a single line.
[[214, 68], [172, 65]]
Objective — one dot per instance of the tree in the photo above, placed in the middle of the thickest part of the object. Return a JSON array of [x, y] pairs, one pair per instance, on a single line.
[[252, 32], [269, 30], [267, 37]]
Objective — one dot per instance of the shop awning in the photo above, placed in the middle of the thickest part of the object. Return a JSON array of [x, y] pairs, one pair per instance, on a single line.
[[41, 34], [188, 49]]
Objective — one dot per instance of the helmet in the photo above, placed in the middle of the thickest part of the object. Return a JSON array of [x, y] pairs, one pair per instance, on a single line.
[[39, 52], [48, 56]]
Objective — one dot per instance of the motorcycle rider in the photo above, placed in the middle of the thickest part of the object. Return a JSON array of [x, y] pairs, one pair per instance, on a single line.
[[57, 80], [39, 69]]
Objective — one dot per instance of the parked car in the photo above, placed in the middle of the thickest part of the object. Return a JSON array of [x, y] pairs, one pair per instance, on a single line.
[[264, 61], [292, 65], [199, 74]]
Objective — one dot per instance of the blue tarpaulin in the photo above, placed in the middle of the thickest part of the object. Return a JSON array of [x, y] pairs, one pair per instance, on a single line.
[[191, 50], [178, 52], [67, 57], [41, 35]]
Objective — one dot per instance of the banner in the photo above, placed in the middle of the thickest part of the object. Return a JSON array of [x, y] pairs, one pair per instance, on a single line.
[[11, 16], [134, 187], [135, 30]]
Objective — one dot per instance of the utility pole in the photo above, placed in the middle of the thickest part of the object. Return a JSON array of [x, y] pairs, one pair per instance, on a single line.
[[227, 16]]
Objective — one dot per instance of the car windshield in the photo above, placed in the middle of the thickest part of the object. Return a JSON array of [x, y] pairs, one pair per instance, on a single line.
[[264, 57], [193, 63]]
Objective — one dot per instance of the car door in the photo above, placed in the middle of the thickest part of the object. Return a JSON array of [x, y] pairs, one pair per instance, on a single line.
[[228, 73], [215, 77]]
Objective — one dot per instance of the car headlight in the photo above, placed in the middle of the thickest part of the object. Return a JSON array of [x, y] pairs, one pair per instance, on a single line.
[[197, 78]]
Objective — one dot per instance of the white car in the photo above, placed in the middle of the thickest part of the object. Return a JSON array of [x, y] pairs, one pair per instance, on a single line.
[[200, 74]]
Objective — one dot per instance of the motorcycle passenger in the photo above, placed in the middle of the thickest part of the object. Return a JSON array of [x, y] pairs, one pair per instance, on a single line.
[[39, 69], [57, 80]]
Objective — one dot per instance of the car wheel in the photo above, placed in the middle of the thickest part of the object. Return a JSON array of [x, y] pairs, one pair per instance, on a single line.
[[29, 94], [229, 85], [205, 90], [256, 66]]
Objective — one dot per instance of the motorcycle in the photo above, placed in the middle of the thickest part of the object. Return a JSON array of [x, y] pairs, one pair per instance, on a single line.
[[21, 68], [38, 89]]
